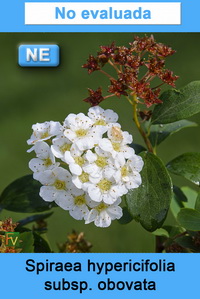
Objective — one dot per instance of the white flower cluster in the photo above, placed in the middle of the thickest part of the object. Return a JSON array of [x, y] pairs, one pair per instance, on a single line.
[[97, 166]]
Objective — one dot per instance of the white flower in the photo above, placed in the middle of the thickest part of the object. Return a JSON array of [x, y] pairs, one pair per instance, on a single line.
[[103, 214], [128, 174], [117, 143], [60, 145], [44, 131], [79, 207], [57, 187], [81, 132], [98, 162], [102, 117], [45, 159], [84, 180], [106, 189], [75, 161]]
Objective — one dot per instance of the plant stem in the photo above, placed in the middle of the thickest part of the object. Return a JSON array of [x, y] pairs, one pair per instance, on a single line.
[[158, 85], [107, 75], [138, 125], [109, 96], [113, 65], [129, 100]]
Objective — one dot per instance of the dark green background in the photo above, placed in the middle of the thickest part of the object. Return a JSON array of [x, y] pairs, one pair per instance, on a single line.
[[29, 95]]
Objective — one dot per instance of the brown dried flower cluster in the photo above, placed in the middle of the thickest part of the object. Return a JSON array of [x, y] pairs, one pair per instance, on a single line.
[[8, 225], [142, 53], [75, 243]]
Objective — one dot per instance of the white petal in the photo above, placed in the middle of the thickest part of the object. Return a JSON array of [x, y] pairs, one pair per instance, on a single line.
[[128, 152], [91, 203], [70, 120], [91, 216], [94, 179], [76, 181], [48, 193], [56, 152], [110, 116], [64, 199], [75, 169], [85, 143], [103, 220], [135, 181], [70, 134], [109, 172], [62, 174], [108, 199], [36, 165], [90, 156], [117, 176], [68, 158], [91, 169], [119, 160], [136, 163], [94, 193], [127, 138], [46, 178], [42, 149], [79, 212], [115, 212], [95, 112], [106, 145], [55, 128]]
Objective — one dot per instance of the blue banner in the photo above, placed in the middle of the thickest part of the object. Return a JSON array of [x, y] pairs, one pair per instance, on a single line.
[[136, 16], [100, 275]]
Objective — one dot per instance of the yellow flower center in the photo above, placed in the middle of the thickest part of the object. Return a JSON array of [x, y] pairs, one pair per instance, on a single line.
[[116, 146], [79, 200], [81, 133], [116, 134], [100, 122], [124, 171], [101, 207], [104, 185], [79, 160], [84, 177], [65, 147], [101, 162], [44, 135], [60, 184], [47, 162]]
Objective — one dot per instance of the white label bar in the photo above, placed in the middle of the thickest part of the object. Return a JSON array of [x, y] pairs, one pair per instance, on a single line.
[[103, 13]]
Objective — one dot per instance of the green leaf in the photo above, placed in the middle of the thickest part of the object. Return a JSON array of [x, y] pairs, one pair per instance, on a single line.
[[175, 207], [191, 197], [161, 232], [160, 132], [189, 219], [40, 244], [149, 203], [187, 242], [138, 148], [187, 166], [178, 200], [173, 231], [23, 196], [27, 241], [197, 203], [126, 218], [178, 104], [33, 218], [179, 195]]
